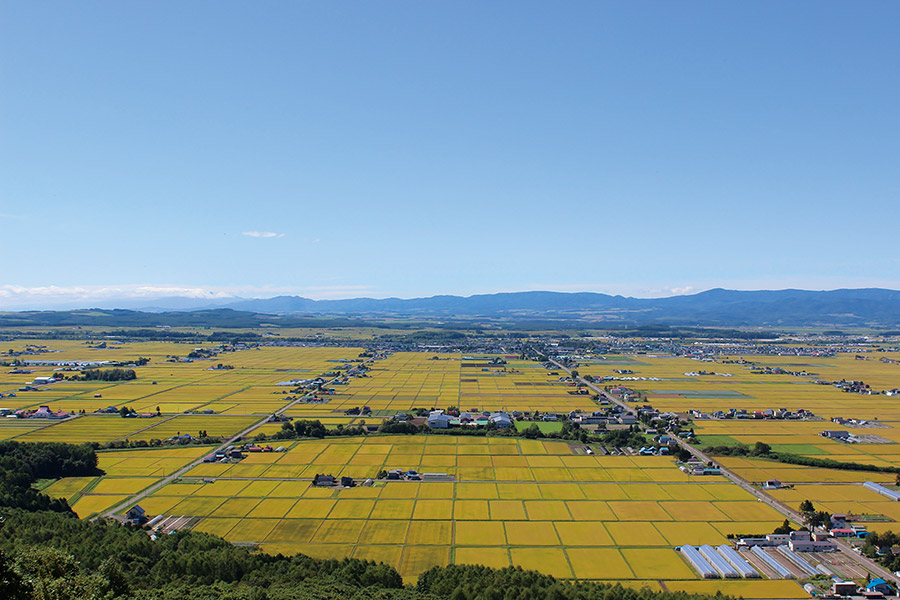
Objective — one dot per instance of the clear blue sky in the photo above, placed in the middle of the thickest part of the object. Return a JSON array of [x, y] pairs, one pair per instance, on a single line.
[[410, 148]]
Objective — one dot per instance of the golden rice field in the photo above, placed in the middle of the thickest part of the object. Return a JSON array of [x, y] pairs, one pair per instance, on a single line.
[[512, 501], [555, 521]]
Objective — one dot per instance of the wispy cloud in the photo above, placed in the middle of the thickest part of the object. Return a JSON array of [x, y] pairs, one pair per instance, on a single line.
[[262, 234], [20, 297]]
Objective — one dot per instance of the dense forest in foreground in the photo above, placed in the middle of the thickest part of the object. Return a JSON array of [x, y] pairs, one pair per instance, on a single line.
[[47, 553]]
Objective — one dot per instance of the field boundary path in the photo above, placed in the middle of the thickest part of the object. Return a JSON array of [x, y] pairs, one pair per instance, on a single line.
[[784, 509], [136, 498]]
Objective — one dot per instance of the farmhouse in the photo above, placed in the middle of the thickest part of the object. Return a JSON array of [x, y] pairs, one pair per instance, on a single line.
[[879, 585], [43, 412], [323, 480], [136, 515], [804, 541]]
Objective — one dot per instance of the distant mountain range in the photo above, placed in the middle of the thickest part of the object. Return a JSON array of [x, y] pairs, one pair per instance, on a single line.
[[717, 307]]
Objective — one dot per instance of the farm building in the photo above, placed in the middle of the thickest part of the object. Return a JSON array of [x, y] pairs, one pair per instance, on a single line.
[[500, 420], [438, 420], [136, 515], [879, 585]]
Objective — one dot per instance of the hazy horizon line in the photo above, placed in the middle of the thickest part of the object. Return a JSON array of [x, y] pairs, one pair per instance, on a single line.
[[132, 296]]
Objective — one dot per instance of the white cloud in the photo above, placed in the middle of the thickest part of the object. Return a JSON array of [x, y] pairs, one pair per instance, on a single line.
[[262, 234], [20, 297], [107, 291]]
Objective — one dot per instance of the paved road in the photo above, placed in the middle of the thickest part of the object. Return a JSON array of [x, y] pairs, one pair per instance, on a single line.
[[132, 500], [135, 499], [629, 409]]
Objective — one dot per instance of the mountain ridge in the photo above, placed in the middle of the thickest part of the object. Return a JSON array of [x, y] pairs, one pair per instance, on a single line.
[[874, 307]]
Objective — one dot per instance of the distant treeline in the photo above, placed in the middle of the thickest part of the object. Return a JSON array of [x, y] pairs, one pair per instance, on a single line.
[[666, 331]]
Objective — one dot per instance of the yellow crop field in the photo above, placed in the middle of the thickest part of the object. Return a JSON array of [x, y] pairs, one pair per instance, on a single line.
[[88, 505], [537, 503], [311, 508], [624, 533], [531, 533], [771, 588], [547, 510], [429, 532], [68, 486], [433, 509], [479, 533], [694, 533], [647, 563], [583, 533], [392, 509], [552, 561], [352, 509], [748, 511], [471, 510], [590, 510], [219, 527], [417, 559], [339, 532], [385, 532], [122, 485], [251, 530], [507, 510], [271, 508], [693, 511], [598, 563], [496, 558], [639, 511], [390, 555]]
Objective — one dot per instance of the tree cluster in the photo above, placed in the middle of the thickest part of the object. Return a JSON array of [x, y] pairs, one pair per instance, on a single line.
[[468, 582], [106, 375], [878, 546], [22, 464]]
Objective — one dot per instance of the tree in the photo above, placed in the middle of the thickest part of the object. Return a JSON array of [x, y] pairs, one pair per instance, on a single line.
[[12, 586], [761, 449], [533, 432], [55, 575], [785, 528], [807, 507], [818, 518], [116, 581]]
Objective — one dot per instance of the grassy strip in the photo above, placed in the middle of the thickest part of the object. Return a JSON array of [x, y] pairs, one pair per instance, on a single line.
[[827, 463], [761, 450]]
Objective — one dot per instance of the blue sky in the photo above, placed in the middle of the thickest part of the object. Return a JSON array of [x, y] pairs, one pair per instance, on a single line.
[[409, 149]]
